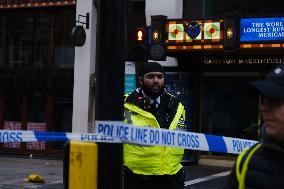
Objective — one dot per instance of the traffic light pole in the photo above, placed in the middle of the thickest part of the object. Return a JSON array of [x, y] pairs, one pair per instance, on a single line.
[[110, 64]]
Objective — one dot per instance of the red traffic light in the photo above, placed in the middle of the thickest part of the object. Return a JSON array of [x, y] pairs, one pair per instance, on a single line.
[[140, 35], [139, 44]]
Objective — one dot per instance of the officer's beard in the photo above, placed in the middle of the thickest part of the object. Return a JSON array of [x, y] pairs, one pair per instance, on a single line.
[[147, 90]]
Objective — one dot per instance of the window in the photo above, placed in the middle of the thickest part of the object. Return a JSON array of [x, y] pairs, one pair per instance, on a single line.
[[209, 9], [228, 109], [36, 38], [37, 108], [12, 107]]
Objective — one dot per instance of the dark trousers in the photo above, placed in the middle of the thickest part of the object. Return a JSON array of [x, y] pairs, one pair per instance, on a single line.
[[137, 181]]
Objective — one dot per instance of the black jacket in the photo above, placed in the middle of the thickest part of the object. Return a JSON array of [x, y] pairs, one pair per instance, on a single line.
[[166, 110], [265, 168]]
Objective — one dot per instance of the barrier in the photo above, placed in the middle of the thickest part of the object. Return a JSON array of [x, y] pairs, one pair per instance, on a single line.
[[80, 157], [118, 132]]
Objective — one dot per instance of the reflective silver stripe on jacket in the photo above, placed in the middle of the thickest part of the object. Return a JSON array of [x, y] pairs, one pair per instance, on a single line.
[[127, 115]]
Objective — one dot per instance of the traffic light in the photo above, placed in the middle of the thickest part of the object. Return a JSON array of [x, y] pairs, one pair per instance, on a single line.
[[139, 44], [157, 48]]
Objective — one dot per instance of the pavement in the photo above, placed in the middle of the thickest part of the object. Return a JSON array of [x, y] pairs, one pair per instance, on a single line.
[[14, 170]]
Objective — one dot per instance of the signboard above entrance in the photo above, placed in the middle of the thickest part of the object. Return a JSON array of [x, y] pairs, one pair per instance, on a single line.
[[182, 30], [262, 29], [194, 34]]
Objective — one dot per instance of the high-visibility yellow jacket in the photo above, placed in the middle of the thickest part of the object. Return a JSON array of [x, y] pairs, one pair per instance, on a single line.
[[242, 164], [152, 160]]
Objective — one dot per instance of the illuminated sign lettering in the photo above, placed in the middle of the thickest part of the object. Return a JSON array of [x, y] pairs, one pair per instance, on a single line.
[[262, 29]]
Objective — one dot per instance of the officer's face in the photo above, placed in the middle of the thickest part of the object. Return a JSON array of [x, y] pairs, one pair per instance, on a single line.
[[273, 117], [153, 82]]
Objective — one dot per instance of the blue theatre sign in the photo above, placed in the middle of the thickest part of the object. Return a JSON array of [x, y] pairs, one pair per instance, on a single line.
[[262, 29]]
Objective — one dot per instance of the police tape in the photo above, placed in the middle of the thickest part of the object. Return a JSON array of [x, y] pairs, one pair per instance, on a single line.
[[118, 132]]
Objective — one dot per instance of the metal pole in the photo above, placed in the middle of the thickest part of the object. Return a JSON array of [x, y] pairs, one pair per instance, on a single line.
[[111, 40]]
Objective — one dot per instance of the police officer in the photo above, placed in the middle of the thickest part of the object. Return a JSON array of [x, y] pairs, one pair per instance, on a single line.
[[262, 166], [150, 167]]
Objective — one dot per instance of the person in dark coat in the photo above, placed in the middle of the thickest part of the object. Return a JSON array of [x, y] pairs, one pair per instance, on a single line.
[[262, 166]]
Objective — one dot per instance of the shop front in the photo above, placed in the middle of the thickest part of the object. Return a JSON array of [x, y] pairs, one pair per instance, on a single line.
[[216, 61], [36, 70]]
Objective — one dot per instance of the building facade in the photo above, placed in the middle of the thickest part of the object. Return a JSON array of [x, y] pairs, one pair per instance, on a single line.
[[214, 67], [37, 68], [46, 82]]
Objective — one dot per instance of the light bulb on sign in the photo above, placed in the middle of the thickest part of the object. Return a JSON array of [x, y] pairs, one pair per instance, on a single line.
[[230, 33], [155, 35]]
